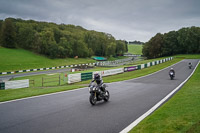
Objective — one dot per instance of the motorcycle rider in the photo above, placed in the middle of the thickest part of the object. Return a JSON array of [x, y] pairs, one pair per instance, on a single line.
[[190, 64], [172, 70], [99, 81]]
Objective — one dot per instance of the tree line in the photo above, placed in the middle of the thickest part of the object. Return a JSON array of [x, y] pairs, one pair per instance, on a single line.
[[183, 41], [135, 42], [58, 41]]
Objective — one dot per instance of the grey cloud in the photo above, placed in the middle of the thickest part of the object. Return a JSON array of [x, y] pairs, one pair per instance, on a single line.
[[124, 19]]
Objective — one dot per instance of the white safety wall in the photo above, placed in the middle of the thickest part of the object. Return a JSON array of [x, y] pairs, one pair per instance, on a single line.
[[72, 78], [17, 84], [148, 64], [142, 66], [112, 71], [164, 60]]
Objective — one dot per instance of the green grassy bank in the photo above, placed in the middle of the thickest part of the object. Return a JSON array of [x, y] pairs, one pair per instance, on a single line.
[[19, 59], [181, 114]]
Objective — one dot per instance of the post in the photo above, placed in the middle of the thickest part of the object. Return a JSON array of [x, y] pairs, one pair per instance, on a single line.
[[42, 81], [59, 79]]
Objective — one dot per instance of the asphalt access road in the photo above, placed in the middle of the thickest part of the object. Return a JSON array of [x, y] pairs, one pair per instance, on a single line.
[[71, 112]]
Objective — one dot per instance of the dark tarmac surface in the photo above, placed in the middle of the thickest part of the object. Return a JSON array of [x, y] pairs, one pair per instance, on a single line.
[[71, 112]]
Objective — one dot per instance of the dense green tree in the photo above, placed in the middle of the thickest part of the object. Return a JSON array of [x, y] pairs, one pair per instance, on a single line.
[[120, 47], [65, 49], [59, 41], [8, 34], [26, 36], [170, 46], [1, 24], [183, 41]]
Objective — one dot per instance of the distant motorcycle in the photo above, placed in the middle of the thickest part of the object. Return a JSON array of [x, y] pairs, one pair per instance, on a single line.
[[96, 94], [190, 66], [171, 74]]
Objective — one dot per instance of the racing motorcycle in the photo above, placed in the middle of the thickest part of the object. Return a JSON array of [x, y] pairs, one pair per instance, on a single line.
[[171, 74], [190, 66], [96, 94]]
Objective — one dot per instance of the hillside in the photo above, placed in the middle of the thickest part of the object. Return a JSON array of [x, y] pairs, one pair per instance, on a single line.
[[135, 49], [19, 59]]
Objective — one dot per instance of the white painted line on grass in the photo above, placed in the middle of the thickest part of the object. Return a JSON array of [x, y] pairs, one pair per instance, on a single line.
[[133, 124]]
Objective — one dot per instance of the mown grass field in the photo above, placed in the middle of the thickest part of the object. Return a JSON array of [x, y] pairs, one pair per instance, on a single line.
[[135, 49], [19, 59], [10, 94]]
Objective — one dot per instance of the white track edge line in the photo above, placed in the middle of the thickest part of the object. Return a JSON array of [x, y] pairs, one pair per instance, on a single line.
[[81, 88], [137, 121]]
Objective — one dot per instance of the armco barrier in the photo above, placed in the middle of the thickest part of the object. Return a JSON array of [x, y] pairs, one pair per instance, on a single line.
[[148, 64], [2, 85], [112, 71], [86, 76], [72, 78], [17, 84], [142, 66], [139, 67]]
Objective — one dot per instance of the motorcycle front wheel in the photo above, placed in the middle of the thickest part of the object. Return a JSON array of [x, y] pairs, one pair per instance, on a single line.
[[107, 96], [93, 99]]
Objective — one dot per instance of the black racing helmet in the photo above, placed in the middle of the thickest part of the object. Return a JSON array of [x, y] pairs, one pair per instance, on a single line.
[[96, 75]]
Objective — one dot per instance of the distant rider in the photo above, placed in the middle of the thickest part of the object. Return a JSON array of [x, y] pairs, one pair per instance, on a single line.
[[190, 64], [99, 81], [172, 70]]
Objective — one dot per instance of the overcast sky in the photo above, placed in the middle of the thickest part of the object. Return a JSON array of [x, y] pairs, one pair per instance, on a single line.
[[124, 19]]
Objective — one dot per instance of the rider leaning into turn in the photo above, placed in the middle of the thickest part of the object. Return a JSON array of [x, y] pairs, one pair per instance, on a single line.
[[99, 81]]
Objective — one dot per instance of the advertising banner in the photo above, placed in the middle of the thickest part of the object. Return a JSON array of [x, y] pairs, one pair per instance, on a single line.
[[128, 69]]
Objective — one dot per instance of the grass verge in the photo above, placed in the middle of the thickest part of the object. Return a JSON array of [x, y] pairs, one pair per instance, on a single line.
[[188, 56], [180, 114], [11, 94]]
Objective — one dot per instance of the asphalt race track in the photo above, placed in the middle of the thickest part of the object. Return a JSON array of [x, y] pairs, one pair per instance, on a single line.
[[71, 112]]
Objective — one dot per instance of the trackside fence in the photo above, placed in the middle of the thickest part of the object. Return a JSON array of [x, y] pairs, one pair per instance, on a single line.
[[50, 80]]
